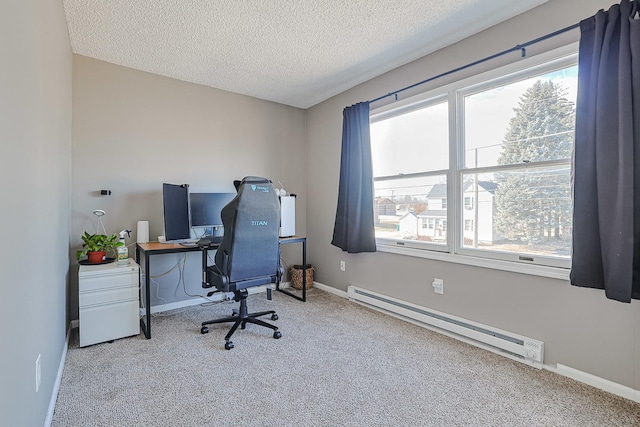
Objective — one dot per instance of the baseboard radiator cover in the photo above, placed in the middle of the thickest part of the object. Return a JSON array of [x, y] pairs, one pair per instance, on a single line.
[[513, 346]]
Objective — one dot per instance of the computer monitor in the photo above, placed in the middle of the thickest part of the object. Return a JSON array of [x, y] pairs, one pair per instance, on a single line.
[[206, 208], [175, 201]]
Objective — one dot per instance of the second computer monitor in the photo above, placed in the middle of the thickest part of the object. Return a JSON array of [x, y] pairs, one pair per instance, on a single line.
[[206, 208]]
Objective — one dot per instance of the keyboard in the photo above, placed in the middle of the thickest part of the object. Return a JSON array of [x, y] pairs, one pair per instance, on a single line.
[[209, 240]]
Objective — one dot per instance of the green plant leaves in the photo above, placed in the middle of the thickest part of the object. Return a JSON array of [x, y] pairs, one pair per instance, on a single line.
[[97, 243]]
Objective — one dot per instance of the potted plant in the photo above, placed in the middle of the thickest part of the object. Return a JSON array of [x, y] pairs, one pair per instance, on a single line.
[[96, 246]]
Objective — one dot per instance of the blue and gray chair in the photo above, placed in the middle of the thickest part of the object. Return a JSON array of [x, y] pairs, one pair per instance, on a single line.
[[249, 254]]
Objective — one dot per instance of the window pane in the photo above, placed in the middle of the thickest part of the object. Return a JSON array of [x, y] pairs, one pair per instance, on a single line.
[[527, 121], [524, 211], [411, 209], [413, 142]]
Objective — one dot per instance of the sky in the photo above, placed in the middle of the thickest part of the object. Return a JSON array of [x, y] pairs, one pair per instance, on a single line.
[[419, 141]]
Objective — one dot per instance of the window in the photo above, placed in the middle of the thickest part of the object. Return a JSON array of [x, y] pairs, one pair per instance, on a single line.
[[506, 186], [410, 160]]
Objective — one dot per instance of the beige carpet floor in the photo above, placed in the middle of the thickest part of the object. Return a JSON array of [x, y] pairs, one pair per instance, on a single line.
[[337, 364]]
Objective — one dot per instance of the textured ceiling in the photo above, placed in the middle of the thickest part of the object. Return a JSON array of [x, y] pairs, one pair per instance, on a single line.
[[295, 52]]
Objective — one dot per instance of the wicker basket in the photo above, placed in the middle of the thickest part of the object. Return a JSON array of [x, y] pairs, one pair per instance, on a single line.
[[295, 273]]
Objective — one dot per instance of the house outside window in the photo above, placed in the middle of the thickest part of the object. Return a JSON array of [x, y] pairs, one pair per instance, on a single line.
[[416, 182], [490, 154], [468, 202]]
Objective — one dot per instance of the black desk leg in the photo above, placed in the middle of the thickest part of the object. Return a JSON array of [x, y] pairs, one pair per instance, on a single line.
[[147, 285], [146, 327], [304, 270]]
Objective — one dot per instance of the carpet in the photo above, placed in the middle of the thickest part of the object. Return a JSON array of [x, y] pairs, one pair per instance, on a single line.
[[337, 364]]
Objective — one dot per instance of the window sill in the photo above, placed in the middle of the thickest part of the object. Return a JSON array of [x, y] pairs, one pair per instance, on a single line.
[[511, 266]]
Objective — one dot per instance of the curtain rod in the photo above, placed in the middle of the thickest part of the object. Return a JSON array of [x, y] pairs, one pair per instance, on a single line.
[[520, 47]]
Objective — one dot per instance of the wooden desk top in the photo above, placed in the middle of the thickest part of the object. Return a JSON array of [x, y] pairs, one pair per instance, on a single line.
[[292, 239], [158, 247]]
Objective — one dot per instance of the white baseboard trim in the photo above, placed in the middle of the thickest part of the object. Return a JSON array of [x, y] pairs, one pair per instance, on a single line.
[[597, 382], [199, 300], [173, 305], [56, 385], [330, 289], [284, 285], [580, 376]]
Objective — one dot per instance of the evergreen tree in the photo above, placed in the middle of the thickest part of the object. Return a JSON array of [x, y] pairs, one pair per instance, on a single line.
[[534, 204]]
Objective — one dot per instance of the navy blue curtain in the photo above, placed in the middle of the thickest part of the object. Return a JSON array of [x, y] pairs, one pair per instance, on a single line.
[[354, 228], [606, 170]]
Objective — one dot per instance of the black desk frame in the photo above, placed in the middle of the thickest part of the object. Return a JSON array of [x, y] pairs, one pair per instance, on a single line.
[[303, 240], [155, 248]]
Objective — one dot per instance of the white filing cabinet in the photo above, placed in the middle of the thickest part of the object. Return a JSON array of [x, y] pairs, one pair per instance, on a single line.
[[108, 301]]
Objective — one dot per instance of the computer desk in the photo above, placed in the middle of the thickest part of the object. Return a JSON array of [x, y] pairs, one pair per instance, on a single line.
[[157, 248]]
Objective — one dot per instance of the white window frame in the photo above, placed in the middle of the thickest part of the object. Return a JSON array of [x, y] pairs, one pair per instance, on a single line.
[[432, 98], [453, 251]]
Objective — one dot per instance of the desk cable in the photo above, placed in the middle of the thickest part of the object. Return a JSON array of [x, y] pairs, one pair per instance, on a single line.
[[152, 279], [184, 285], [180, 266]]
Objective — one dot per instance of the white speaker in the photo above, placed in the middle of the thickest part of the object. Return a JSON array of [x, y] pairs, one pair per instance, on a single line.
[[288, 216], [143, 232]]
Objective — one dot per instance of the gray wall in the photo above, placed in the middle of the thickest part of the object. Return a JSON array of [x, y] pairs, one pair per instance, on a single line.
[[580, 327], [35, 170], [133, 130]]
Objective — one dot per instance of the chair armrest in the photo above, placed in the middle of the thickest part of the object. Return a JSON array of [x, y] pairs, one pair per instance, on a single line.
[[225, 263], [217, 279]]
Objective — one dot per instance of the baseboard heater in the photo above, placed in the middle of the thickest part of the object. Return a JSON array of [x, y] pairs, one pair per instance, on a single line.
[[517, 347]]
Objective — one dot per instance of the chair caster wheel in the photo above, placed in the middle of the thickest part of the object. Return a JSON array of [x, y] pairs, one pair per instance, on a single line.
[[204, 330], [243, 325], [228, 345], [235, 312], [274, 317], [277, 334]]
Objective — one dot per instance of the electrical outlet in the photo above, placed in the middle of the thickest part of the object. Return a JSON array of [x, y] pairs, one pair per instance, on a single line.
[[343, 266], [38, 374], [438, 286]]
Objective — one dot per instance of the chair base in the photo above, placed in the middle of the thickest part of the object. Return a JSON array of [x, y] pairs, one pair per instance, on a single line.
[[240, 318]]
